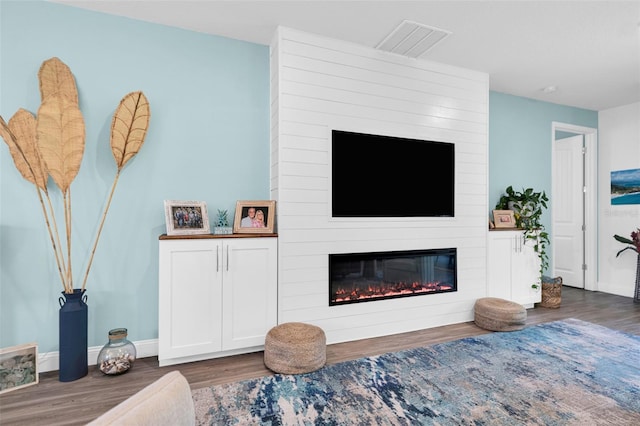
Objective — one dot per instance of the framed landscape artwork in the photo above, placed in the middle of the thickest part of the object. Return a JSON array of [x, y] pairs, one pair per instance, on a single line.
[[625, 187], [254, 217], [186, 217]]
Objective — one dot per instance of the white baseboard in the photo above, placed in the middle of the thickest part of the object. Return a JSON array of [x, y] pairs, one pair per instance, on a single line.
[[626, 290], [50, 361]]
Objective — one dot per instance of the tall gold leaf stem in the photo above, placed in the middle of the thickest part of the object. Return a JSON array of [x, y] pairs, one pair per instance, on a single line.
[[55, 239], [67, 217], [56, 252], [104, 216]]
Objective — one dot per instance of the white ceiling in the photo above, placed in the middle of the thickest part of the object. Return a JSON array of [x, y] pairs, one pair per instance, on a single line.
[[589, 50]]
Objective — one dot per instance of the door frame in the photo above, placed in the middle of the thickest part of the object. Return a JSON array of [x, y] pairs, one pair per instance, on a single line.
[[590, 200]]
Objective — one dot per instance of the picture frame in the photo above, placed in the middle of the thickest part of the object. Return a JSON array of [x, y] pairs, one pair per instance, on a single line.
[[244, 223], [23, 372], [625, 187], [178, 221], [504, 219]]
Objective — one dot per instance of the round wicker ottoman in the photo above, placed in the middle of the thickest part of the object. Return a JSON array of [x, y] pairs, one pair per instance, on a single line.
[[295, 348], [495, 314]]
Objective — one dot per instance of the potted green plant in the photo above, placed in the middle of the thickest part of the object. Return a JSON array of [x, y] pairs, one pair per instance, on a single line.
[[222, 225], [528, 206]]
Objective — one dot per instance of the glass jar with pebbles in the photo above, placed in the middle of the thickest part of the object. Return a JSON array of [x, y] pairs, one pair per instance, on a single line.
[[118, 355]]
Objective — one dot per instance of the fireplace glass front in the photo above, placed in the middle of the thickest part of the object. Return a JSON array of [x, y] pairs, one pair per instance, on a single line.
[[363, 277]]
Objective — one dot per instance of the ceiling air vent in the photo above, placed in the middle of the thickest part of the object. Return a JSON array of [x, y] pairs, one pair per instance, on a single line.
[[412, 39]]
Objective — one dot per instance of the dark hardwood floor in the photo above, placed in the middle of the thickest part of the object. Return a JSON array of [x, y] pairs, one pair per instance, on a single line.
[[52, 402]]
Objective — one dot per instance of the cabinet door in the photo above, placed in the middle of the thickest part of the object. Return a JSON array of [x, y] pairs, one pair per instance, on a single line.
[[250, 291], [500, 250], [189, 295], [525, 266], [513, 266]]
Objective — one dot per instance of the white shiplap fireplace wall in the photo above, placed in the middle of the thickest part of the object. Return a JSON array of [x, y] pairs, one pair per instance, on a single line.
[[319, 84]]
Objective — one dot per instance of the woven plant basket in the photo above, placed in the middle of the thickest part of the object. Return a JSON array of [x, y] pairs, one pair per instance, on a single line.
[[551, 293]]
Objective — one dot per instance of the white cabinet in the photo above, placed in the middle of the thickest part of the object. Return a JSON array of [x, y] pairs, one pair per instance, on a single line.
[[217, 296], [513, 267]]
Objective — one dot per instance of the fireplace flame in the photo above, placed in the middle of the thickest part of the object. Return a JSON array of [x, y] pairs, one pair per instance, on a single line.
[[387, 290]]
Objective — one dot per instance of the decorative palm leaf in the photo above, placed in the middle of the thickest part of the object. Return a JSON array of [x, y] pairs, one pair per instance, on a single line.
[[56, 77], [20, 136], [53, 144], [15, 150], [128, 130], [129, 127], [6, 134], [61, 133], [29, 161]]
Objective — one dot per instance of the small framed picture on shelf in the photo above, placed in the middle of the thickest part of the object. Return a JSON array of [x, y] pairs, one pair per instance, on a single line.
[[19, 367], [254, 217], [186, 217], [504, 219]]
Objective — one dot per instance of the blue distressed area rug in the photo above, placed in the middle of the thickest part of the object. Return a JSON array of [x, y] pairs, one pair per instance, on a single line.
[[567, 372]]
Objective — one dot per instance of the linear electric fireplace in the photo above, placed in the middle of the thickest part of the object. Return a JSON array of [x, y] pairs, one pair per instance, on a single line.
[[363, 277]]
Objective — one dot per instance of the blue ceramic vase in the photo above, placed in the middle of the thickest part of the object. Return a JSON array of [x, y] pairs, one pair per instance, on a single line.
[[73, 336]]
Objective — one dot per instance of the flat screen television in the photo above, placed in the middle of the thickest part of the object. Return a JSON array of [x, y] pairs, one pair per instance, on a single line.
[[385, 176]]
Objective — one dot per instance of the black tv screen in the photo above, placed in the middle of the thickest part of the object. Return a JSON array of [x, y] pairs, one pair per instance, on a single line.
[[384, 176]]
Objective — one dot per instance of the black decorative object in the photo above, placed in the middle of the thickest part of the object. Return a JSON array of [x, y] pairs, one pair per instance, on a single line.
[[636, 294], [73, 336], [362, 164]]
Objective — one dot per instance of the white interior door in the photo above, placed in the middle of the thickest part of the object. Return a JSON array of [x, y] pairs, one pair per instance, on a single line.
[[568, 211]]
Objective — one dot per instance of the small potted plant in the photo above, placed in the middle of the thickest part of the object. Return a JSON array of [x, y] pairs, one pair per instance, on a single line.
[[528, 206], [222, 224]]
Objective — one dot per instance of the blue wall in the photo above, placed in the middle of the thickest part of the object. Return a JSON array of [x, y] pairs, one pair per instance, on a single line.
[[520, 143], [208, 140]]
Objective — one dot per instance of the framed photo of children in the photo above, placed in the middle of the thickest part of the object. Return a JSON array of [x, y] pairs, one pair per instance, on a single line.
[[254, 217], [186, 217]]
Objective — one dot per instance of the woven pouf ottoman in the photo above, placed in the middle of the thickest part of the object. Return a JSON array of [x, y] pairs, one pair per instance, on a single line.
[[495, 314], [295, 348]]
